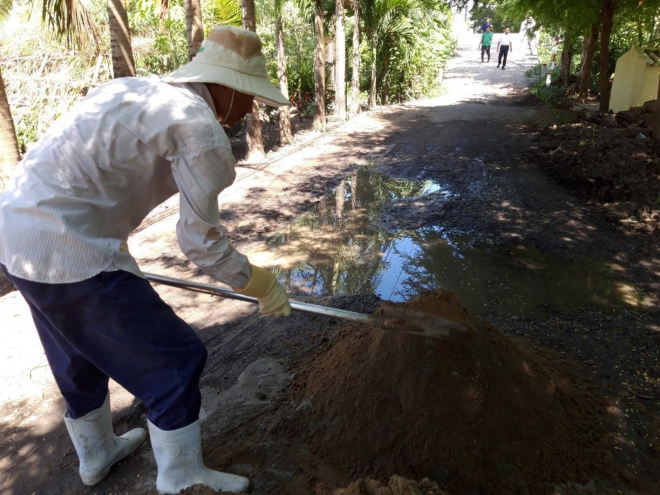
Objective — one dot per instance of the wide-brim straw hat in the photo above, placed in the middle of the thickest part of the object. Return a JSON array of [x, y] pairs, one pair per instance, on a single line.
[[231, 56]]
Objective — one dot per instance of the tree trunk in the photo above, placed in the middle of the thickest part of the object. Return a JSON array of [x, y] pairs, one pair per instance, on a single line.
[[194, 26], [123, 64], [340, 63], [372, 92], [285, 119], [319, 69], [566, 58], [587, 62], [385, 81], [164, 9], [300, 79], [9, 153], [253, 137], [609, 6], [355, 102]]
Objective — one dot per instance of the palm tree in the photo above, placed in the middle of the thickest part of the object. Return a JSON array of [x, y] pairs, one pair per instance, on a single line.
[[285, 119], [194, 26], [9, 153], [254, 139], [340, 62], [72, 22], [387, 24], [355, 102], [123, 64], [319, 68]]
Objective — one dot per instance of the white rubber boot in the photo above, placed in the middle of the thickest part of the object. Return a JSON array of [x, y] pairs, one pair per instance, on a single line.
[[96, 444], [178, 455]]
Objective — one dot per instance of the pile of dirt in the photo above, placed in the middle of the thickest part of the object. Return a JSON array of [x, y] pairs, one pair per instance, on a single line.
[[609, 159], [494, 416], [396, 486]]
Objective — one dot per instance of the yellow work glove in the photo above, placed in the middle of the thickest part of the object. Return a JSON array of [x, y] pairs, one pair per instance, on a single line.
[[272, 298]]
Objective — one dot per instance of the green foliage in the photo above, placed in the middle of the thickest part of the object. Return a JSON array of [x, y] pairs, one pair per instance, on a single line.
[[562, 118], [547, 47], [26, 131], [5, 9], [548, 95], [499, 17], [41, 79], [411, 42], [534, 71], [299, 44], [417, 76], [159, 44], [226, 12]]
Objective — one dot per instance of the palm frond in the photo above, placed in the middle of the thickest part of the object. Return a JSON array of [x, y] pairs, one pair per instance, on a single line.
[[5, 9], [71, 20], [227, 12], [306, 8]]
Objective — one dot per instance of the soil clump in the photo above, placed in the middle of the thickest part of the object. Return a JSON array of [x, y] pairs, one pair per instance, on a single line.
[[495, 415], [199, 490], [397, 485]]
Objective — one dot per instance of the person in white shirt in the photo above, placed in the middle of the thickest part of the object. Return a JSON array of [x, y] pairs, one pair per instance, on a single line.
[[64, 222], [504, 45]]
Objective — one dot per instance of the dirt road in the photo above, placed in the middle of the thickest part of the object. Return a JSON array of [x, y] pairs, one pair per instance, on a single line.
[[497, 214]]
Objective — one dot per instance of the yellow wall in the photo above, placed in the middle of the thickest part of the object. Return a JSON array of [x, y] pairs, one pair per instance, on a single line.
[[649, 87], [628, 80]]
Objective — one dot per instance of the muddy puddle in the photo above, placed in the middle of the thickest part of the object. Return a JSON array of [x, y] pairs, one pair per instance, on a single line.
[[339, 247]]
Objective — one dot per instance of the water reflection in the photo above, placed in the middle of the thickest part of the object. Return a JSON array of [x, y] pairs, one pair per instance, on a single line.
[[336, 248], [501, 280]]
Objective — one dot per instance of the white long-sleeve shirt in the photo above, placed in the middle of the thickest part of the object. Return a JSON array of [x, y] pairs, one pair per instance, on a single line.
[[504, 39], [100, 169]]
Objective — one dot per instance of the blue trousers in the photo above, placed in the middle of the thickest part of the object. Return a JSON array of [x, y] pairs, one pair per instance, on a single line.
[[115, 325]]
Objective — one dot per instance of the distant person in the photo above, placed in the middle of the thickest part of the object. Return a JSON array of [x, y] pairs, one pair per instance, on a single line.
[[486, 25], [486, 40], [504, 44]]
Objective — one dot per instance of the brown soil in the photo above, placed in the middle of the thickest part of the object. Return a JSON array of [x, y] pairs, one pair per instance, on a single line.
[[6, 285], [198, 490], [396, 486], [492, 415], [609, 160]]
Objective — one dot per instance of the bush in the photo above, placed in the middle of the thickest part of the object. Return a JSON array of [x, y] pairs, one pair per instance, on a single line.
[[534, 71], [548, 95]]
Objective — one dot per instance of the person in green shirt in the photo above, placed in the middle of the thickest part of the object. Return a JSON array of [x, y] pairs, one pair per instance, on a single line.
[[486, 39]]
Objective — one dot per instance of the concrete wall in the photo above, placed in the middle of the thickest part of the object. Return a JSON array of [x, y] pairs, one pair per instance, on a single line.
[[628, 78], [649, 89], [634, 82]]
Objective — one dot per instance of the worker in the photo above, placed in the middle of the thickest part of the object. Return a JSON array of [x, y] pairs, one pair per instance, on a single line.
[[64, 223]]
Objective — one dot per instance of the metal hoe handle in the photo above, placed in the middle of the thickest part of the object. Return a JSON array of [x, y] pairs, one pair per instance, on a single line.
[[230, 294]]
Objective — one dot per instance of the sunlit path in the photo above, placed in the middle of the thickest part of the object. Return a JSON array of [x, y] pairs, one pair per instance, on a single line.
[[466, 79]]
